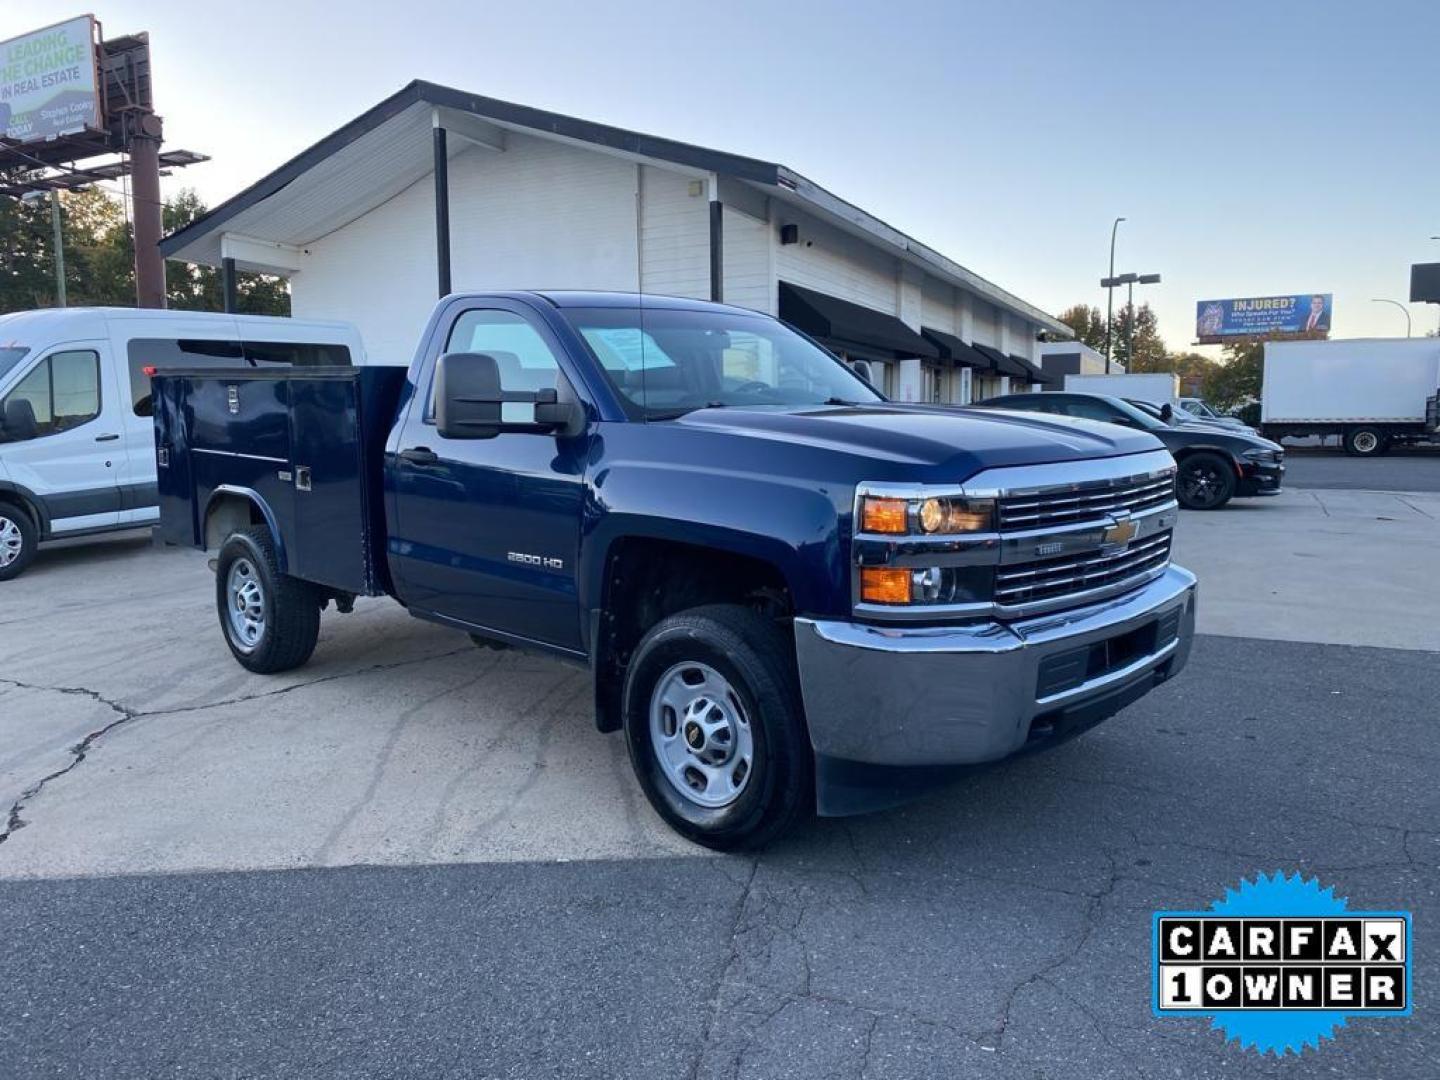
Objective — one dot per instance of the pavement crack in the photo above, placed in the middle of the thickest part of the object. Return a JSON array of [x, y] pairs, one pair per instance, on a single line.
[[15, 820], [713, 1009], [1087, 930]]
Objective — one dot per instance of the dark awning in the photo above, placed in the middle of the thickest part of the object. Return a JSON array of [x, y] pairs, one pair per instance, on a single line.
[[1032, 372], [1001, 363], [952, 348], [839, 323]]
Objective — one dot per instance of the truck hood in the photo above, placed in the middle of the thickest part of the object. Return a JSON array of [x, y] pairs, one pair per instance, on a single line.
[[961, 441]]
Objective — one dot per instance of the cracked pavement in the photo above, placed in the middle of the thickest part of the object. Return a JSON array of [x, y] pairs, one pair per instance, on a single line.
[[413, 858]]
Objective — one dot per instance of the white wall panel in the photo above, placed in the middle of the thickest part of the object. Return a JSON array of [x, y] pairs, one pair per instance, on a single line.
[[542, 215], [674, 236], [832, 262], [749, 270], [377, 272]]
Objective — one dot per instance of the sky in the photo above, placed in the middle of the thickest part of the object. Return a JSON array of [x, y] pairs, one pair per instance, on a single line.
[[1254, 148]]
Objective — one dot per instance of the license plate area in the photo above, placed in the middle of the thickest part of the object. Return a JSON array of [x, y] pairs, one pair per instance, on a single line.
[[1067, 670]]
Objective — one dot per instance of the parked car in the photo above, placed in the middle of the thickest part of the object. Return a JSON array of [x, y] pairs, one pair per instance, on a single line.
[[77, 445], [1179, 415], [790, 593], [1201, 411], [1215, 465]]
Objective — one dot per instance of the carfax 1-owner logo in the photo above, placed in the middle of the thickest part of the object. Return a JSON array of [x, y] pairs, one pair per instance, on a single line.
[[1281, 964]]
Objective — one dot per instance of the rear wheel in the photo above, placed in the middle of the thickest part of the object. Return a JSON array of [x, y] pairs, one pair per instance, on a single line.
[[1205, 482], [271, 621], [715, 727], [18, 541], [1365, 442]]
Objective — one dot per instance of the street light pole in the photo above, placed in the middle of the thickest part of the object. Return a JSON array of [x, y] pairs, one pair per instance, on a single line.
[[1402, 307], [1110, 295]]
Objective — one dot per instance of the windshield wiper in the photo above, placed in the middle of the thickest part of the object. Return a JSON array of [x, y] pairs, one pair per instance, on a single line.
[[841, 401]]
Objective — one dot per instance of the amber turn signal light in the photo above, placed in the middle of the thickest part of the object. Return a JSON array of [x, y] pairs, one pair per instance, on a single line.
[[884, 586], [884, 515]]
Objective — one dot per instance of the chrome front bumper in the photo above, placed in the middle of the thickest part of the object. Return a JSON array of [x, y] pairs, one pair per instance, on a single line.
[[907, 696]]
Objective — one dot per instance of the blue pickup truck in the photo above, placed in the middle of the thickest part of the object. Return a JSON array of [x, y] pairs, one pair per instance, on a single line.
[[791, 593]]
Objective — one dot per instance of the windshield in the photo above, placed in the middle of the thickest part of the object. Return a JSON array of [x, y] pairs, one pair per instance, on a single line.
[[665, 362], [1143, 413], [1196, 407], [10, 355]]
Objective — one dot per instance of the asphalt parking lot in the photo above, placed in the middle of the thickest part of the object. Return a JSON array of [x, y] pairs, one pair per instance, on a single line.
[[411, 858]]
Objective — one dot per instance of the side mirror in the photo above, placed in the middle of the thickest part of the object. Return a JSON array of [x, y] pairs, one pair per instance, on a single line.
[[1167, 412], [470, 403], [862, 368], [19, 421]]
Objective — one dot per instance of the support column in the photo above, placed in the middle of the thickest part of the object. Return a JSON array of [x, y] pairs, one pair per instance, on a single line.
[[442, 211], [145, 185], [717, 247], [227, 284]]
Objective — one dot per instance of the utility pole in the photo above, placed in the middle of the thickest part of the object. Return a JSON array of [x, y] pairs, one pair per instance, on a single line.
[[1110, 295]]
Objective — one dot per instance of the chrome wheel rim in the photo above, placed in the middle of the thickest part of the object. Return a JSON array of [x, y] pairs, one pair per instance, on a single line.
[[12, 541], [701, 735], [244, 605], [1366, 442]]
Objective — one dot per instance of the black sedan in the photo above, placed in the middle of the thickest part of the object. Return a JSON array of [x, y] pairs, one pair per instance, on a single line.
[[1215, 464]]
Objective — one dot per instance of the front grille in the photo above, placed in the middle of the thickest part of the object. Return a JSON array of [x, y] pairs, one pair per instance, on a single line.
[[1085, 502], [1046, 579]]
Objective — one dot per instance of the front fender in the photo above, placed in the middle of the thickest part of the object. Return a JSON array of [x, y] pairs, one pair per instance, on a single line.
[[795, 526]]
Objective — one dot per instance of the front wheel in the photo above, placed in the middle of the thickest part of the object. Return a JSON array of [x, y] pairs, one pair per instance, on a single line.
[[1205, 482], [18, 540], [715, 727], [271, 621]]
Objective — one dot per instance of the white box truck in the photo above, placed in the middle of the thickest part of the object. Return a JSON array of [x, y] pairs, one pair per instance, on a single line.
[[1156, 388], [1372, 392]]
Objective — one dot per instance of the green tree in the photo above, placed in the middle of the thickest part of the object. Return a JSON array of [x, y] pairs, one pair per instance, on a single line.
[[100, 260], [1088, 324], [1149, 348], [1237, 380]]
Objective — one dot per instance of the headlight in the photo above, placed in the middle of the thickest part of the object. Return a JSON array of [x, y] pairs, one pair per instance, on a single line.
[[927, 585], [937, 516], [1260, 454]]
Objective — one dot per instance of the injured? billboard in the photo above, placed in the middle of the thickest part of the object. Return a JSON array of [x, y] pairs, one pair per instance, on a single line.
[[1256, 316], [48, 84]]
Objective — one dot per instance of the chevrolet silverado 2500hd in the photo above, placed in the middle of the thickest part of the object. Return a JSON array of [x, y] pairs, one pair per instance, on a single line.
[[790, 592]]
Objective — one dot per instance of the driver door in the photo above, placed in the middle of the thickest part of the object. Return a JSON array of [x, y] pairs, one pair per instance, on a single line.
[[69, 452], [489, 529]]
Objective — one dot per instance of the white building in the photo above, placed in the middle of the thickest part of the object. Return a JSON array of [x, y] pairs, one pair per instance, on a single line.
[[435, 191], [1060, 358]]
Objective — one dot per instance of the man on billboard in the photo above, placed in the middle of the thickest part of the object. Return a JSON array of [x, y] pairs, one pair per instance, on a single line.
[[1319, 318]]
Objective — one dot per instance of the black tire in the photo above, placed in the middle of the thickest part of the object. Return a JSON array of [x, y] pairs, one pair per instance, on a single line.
[[1365, 442], [756, 657], [291, 609], [1205, 481], [16, 523]]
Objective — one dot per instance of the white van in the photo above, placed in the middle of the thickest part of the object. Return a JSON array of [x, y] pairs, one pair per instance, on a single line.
[[77, 444]]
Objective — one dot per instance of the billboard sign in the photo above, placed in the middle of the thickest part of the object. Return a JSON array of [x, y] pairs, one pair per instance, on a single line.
[[1425, 283], [48, 82], [1303, 313]]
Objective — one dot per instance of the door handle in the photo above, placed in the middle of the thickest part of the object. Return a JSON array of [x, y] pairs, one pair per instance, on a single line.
[[106, 438], [419, 455]]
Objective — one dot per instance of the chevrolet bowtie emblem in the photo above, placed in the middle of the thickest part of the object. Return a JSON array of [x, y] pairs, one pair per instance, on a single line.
[[1119, 534]]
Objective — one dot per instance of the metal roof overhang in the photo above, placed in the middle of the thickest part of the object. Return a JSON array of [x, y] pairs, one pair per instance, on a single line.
[[952, 348], [388, 148], [842, 322]]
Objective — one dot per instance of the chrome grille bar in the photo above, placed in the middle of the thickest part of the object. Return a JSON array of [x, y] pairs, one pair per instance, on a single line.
[[1062, 507], [1044, 579]]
